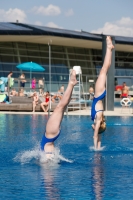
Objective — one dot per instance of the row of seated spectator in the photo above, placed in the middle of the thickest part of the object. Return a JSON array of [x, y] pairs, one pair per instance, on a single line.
[[45, 104], [20, 93]]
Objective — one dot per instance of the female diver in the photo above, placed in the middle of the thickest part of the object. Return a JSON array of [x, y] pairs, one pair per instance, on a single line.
[[99, 125], [53, 125]]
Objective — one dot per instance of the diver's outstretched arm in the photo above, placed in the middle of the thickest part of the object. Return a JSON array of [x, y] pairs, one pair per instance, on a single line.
[[96, 130]]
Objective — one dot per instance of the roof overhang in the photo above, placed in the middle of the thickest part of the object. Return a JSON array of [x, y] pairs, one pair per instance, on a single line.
[[62, 41]]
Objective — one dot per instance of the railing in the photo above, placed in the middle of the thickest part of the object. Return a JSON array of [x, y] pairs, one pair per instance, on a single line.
[[88, 80], [55, 85], [27, 87]]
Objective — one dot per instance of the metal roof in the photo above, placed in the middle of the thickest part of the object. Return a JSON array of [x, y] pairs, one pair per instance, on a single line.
[[4, 26], [7, 28]]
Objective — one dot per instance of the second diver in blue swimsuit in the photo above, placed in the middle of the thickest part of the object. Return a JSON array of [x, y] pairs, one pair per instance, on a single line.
[[99, 125]]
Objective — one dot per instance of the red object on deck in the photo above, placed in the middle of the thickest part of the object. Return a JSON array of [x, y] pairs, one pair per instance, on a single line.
[[118, 87]]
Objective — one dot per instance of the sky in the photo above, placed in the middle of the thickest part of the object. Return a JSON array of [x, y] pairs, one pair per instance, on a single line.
[[114, 17]]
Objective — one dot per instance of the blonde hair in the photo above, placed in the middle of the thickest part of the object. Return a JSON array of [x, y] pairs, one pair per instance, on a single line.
[[102, 125]]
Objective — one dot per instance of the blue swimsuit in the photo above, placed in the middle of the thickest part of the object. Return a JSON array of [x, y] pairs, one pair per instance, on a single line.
[[95, 100], [46, 140]]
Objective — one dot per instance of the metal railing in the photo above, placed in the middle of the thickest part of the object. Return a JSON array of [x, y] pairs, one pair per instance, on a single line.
[[55, 85], [88, 80]]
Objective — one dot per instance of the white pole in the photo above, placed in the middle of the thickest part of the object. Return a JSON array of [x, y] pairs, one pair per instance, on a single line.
[[30, 80], [49, 78]]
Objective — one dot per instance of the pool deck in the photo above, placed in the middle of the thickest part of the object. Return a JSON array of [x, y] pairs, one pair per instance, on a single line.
[[116, 112]]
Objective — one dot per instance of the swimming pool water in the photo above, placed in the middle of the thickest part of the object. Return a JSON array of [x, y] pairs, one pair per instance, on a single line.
[[82, 173]]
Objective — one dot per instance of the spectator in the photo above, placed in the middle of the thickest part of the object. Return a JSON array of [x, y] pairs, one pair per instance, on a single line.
[[41, 86], [45, 104], [35, 100], [62, 89], [4, 98], [125, 91], [91, 92], [33, 83], [22, 81], [21, 93], [56, 98], [4, 82], [10, 74], [14, 92], [10, 82], [7, 100]]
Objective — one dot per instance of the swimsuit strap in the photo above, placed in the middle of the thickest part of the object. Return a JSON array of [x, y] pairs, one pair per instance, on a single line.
[[49, 153], [99, 111]]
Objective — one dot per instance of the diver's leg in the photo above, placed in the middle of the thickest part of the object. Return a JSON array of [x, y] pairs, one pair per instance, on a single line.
[[100, 83], [53, 124]]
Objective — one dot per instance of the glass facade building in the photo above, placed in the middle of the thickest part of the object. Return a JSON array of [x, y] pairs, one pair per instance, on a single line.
[[63, 57]]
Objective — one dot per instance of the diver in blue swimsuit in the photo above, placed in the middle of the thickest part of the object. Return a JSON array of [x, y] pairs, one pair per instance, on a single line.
[[53, 125], [99, 125]]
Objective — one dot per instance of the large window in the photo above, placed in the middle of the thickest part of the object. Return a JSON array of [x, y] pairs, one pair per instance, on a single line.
[[62, 59]]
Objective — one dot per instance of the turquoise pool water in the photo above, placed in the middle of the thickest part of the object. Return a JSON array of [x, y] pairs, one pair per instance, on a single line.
[[78, 172]]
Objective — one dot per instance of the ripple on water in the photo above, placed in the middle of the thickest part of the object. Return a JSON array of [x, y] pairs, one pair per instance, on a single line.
[[76, 171]]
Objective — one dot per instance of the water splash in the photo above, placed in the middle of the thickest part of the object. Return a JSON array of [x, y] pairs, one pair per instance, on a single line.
[[92, 148], [40, 157]]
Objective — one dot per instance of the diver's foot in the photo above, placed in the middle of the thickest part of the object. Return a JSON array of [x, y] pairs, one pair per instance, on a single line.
[[109, 43], [73, 79]]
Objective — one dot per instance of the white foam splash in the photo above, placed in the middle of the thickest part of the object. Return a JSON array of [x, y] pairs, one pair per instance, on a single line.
[[93, 148], [40, 157]]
